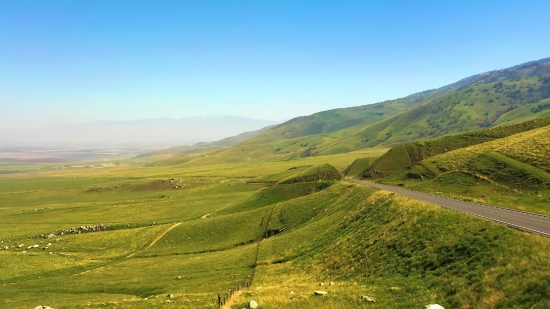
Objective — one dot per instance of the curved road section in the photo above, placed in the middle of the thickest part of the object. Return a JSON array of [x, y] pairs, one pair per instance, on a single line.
[[517, 219]]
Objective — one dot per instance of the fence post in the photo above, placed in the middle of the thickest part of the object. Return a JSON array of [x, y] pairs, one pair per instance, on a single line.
[[219, 301]]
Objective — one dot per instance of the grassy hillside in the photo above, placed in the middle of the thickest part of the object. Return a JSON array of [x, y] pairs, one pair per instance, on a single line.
[[196, 231], [402, 253], [484, 100], [489, 100], [401, 156], [357, 167], [512, 172], [320, 173], [202, 147]]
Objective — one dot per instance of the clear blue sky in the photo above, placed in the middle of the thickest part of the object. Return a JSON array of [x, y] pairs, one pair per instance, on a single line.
[[79, 61]]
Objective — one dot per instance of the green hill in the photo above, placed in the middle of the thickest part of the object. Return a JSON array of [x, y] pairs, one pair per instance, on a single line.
[[512, 171], [280, 226], [484, 100], [491, 99], [407, 154], [202, 147]]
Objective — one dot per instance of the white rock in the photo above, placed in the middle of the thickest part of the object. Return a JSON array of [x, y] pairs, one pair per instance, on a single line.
[[291, 292], [252, 304], [368, 298], [320, 293], [433, 306]]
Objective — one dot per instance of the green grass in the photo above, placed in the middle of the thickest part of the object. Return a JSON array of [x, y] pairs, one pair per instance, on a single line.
[[274, 206], [357, 167], [222, 210], [509, 172], [401, 156], [325, 172], [403, 253]]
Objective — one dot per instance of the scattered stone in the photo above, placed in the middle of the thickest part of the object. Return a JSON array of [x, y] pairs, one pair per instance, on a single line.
[[253, 304], [368, 299], [320, 293], [331, 283], [291, 292], [20, 246], [169, 296], [321, 284], [178, 277], [433, 306]]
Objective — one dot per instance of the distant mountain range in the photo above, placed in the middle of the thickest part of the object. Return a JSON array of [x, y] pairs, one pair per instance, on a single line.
[[484, 100], [207, 146], [163, 132]]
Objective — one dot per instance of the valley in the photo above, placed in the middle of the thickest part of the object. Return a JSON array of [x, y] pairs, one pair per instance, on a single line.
[[342, 201]]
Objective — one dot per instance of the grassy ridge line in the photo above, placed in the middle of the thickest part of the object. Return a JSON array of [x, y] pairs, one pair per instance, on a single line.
[[401, 156], [325, 172], [477, 102]]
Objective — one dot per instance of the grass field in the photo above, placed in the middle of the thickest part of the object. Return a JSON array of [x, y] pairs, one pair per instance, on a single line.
[[196, 229]]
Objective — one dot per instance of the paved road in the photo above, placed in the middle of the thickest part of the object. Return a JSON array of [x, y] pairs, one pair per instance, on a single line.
[[518, 219]]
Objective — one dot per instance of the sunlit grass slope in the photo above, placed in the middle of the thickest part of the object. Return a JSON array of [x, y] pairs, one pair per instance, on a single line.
[[403, 253], [512, 172], [407, 154], [484, 100], [195, 230]]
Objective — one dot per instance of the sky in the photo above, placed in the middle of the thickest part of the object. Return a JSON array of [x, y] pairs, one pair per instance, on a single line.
[[66, 62]]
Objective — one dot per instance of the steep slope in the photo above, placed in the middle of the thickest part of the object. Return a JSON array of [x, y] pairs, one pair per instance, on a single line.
[[407, 154], [483, 100], [490, 99], [512, 172]]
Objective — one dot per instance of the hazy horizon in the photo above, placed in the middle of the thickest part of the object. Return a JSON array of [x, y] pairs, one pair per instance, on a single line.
[[77, 62], [148, 132]]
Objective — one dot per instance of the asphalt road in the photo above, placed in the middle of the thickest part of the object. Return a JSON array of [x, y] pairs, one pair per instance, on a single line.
[[514, 218]]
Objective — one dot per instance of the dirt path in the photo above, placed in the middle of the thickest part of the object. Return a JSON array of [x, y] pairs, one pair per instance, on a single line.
[[156, 239]]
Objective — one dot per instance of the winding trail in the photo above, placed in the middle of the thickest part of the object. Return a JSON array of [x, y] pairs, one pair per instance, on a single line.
[[522, 220], [120, 260], [156, 239]]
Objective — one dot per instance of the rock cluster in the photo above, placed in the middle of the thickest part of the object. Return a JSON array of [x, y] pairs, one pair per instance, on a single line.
[[173, 183], [82, 229]]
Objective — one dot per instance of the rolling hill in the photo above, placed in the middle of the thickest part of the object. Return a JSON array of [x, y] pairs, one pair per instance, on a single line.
[[401, 156], [207, 146], [485, 100], [223, 228], [506, 166]]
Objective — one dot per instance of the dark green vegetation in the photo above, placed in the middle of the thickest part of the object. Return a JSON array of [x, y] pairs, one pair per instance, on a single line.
[[320, 173]]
